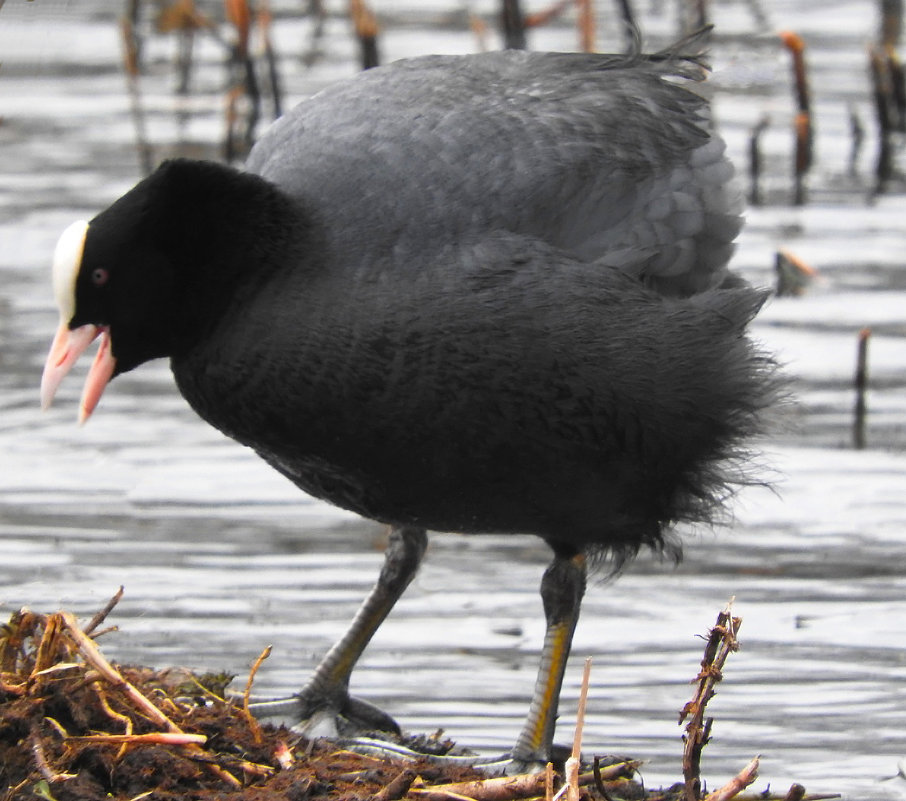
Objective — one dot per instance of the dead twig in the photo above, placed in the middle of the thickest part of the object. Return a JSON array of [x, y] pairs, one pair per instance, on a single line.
[[49, 652], [111, 675], [12, 637], [543, 17], [720, 644], [125, 720], [366, 29], [101, 616], [397, 787], [246, 695], [795, 793], [499, 788], [152, 738], [586, 25], [618, 770], [265, 19], [737, 784], [571, 769], [523, 785], [599, 781]]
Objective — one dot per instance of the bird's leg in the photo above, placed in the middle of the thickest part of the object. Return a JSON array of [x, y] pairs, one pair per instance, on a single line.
[[325, 701], [562, 588]]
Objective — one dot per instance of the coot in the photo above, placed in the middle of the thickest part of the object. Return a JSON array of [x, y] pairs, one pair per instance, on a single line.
[[474, 294]]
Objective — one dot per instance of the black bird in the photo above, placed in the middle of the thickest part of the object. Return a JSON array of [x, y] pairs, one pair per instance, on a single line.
[[474, 294]]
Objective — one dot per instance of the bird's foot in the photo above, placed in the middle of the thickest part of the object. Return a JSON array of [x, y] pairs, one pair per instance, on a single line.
[[329, 716], [536, 761], [517, 767], [345, 716]]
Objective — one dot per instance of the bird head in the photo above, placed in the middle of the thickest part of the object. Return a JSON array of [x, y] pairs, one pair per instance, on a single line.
[[114, 279], [154, 273]]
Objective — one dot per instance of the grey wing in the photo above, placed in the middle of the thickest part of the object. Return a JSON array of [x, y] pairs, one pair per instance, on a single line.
[[604, 158]]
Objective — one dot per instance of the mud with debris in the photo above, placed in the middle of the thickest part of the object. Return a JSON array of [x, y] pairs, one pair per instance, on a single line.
[[74, 727]]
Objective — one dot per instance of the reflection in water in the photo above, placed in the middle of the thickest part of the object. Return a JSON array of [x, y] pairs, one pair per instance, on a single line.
[[220, 556]]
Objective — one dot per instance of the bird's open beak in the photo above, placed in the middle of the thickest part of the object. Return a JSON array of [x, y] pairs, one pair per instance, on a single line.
[[68, 345]]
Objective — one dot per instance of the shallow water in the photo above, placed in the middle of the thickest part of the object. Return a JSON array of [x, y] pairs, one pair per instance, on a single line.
[[220, 556]]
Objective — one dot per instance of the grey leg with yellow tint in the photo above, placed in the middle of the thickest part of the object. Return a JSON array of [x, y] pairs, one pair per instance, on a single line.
[[562, 589], [324, 702]]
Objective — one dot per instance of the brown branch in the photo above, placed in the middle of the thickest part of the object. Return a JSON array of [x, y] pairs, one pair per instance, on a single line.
[[152, 738], [721, 643], [239, 15], [101, 616], [366, 28], [580, 713], [113, 715], [586, 24], [110, 674], [265, 20], [246, 711], [540, 18], [500, 788], [505, 788], [397, 787], [609, 773], [46, 655], [737, 784], [571, 769], [12, 636], [795, 793]]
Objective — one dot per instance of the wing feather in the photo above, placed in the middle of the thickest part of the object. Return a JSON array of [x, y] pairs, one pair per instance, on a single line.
[[606, 158]]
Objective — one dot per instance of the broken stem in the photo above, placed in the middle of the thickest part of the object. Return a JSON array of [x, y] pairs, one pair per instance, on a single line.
[[571, 769], [152, 738], [523, 785], [246, 695], [737, 784], [721, 643], [101, 616]]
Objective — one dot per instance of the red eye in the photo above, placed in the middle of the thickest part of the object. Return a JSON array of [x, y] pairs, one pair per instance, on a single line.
[[99, 276]]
